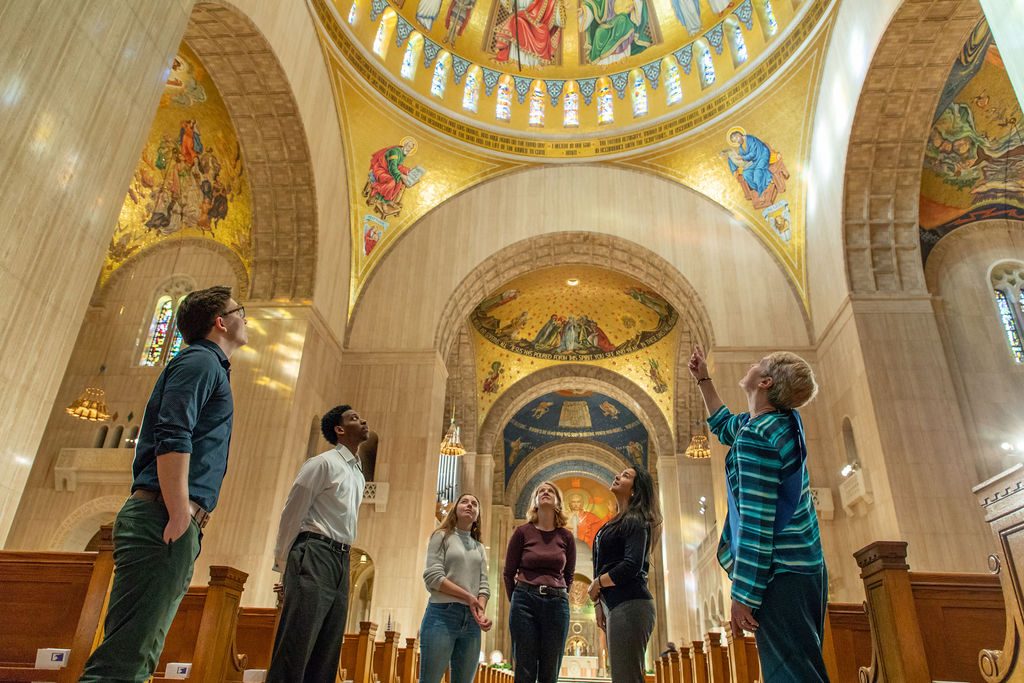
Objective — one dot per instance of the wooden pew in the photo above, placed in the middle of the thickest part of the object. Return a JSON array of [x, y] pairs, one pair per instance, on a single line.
[[661, 675], [255, 635], [700, 663], [204, 629], [53, 599], [717, 667], [743, 663], [408, 664], [684, 666], [926, 626], [357, 654], [385, 658], [1002, 500], [846, 646]]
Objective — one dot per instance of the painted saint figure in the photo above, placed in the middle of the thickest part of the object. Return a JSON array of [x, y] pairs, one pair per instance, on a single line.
[[427, 11], [611, 30], [531, 33], [582, 523], [757, 167], [688, 14], [389, 177], [457, 19]]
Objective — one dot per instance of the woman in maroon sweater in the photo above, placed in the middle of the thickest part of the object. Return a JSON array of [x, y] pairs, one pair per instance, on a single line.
[[539, 566]]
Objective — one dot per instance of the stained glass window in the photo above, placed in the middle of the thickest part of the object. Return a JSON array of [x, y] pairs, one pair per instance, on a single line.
[[1009, 322], [384, 29], [537, 104], [471, 93], [639, 94], [673, 87], [605, 106], [352, 12], [440, 79], [707, 67], [158, 330], [176, 341], [503, 109], [571, 108], [737, 42], [770, 24], [412, 54]]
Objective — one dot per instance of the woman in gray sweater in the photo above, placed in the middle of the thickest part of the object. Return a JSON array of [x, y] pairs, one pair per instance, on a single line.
[[456, 576]]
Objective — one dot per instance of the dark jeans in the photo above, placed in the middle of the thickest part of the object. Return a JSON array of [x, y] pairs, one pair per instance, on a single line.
[[539, 625], [307, 645], [448, 635], [150, 579], [791, 626], [629, 626]]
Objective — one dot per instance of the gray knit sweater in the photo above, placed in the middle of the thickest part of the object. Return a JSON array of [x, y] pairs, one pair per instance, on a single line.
[[458, 558]]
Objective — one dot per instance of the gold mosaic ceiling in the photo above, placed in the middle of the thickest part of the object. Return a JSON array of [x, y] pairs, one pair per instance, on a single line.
[[558, 70]]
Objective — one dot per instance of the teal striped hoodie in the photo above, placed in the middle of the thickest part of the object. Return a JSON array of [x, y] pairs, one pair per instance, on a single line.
[[762, 453]]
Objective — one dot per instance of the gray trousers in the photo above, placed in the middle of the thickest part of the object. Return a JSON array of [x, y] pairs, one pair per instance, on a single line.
[[628, 627], [307, 646]]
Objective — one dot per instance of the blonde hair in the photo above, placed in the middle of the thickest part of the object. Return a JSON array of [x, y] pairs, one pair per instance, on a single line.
[[560, 518], [451, 519], [793, 382]]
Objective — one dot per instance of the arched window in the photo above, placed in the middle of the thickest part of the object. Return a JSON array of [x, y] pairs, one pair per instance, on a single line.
[[133, 437], [673, 86], [766, 15], [737, 44], [571, 105], [114, 440], [639, 93], [850, 443], [413, 49], [101, 437], [440, 79], [1008, 289], [163, 341], [384, 31], [503, 109], [352, 12], [605, 105], [537, 94], [471, 92], [705, 63]]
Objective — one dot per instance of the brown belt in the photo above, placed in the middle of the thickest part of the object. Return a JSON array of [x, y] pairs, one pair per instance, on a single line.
[[199, 515]]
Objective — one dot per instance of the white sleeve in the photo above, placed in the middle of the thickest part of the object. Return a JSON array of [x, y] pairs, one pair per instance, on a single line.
[[307, 483]]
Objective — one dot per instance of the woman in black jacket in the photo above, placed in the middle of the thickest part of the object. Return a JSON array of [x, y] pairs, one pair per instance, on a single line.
[[625, 609]]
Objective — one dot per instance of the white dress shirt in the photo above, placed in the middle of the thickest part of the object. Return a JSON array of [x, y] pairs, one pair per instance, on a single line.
[[325, 499]]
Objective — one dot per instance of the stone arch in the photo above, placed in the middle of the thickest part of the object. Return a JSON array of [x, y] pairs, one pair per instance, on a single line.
[[593, 453], [596, 249], [75, 531], [887, 141], [573, 376], [275, 151]]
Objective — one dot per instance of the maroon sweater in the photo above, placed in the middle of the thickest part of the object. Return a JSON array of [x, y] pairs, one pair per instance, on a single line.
[[541, 558]]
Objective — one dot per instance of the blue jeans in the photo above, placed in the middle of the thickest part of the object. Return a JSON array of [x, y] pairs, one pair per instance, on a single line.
[[448, 635]]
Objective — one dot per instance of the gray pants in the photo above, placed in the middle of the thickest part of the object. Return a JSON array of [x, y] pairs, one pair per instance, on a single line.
[[628, 627], [308, 641]]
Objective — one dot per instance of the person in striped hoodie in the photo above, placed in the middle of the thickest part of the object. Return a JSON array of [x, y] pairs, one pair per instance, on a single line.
[[770, 545]]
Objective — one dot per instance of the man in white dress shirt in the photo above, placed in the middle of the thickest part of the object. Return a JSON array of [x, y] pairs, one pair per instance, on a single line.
[[318, 526]]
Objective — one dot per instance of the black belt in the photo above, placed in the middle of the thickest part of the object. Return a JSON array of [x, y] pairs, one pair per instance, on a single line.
[[196, 511], [541, 590], [336, 546]]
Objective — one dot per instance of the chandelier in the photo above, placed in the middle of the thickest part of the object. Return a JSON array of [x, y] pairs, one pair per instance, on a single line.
[[91, 406], [698, 448], [451, 444]]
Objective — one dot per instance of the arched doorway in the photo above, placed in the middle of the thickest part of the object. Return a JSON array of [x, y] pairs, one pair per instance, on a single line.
[[360, 587]]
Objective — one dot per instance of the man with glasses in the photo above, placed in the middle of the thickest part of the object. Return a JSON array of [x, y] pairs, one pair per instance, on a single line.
[[180, 461]]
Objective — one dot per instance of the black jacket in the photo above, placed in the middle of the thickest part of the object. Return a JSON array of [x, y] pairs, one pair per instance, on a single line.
[[620, 550]]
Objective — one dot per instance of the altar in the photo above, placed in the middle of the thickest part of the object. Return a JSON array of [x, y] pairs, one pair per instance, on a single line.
[[579, 667]]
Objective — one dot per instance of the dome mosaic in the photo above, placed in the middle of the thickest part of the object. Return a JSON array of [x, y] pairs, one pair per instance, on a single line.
[[565, 69]]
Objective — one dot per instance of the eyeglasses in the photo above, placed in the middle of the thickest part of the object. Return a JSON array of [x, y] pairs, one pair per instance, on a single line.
[[240, 311]]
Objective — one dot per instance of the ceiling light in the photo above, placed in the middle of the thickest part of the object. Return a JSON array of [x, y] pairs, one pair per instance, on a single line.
[[573, 281], [698, 448]]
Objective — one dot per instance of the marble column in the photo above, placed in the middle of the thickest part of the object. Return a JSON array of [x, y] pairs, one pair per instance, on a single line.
[[79, 84], [673, 556]]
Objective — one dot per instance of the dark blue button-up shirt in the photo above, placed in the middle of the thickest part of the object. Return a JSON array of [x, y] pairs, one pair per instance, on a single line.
[[189, 411]]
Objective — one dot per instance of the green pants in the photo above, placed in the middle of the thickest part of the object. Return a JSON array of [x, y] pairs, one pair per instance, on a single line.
[[150, 579]]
